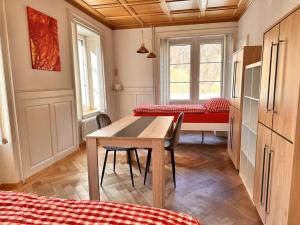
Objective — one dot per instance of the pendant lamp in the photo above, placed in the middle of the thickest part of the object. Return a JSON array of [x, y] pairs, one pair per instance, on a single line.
[[142, 49], [152, 54]]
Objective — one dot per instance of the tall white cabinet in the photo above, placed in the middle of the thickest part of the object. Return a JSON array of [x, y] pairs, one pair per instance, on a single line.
[[249, 125]]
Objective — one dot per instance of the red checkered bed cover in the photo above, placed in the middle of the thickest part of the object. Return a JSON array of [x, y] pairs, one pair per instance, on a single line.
[[150, 108], [23, 208]]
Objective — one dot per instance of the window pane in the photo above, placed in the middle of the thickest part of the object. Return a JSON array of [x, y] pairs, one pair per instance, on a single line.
[[211, 53], [209, 90], [180, 73], [179, 91], [83, 75], [180, 54], [210, 71]]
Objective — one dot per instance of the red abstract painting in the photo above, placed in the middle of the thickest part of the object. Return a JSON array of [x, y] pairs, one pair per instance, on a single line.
[[43, 41]]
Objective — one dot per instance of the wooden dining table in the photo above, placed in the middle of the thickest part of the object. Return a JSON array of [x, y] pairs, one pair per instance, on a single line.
[[132, 131]]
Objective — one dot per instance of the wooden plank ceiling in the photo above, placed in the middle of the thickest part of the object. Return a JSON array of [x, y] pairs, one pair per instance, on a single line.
[[122, 14]]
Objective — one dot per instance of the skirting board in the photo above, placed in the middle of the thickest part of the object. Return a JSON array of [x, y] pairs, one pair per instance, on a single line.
[[205, 126]]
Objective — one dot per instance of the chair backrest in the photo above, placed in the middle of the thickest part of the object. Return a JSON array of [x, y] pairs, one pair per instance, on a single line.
[[103, 120], [176, 132]]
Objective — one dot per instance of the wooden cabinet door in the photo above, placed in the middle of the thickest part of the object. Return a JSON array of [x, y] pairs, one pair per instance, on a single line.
[[268, 77], [287, 79], [280, 162], [234, 142], [239, 78], [233, 79], [260, 182]]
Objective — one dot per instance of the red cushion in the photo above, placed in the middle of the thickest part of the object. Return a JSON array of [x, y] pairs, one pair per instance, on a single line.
[[217, 105]]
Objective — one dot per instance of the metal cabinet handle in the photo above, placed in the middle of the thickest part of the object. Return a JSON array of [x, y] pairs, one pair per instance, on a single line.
[[269, 80], [276, 75], [267, 208], [263, 177], [231, 133], [233, 80], [236, 65]]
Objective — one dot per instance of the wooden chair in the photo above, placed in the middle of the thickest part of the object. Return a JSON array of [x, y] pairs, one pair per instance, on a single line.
[[103, 120], [170, 144]]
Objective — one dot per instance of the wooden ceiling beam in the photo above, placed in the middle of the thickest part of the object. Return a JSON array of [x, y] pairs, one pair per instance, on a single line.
[[242, 7], [173, 12], [160, 9], [112, 5], [166, 9], [81, 5], [131, 12]]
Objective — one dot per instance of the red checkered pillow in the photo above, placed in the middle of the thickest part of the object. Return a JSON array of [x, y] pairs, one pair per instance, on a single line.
[[217, 105]]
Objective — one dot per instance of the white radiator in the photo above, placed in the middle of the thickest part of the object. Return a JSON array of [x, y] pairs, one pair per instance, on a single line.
[[88, 126]]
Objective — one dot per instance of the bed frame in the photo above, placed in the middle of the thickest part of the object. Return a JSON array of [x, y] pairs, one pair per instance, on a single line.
[[216, 127]]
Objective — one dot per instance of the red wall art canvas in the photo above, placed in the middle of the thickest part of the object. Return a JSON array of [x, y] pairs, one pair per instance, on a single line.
[[43, 41]]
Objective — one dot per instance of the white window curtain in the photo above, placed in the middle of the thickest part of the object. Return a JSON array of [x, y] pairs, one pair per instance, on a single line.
[[164, 71]]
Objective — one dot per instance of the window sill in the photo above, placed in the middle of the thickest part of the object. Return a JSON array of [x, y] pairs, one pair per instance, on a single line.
[[89, 114]]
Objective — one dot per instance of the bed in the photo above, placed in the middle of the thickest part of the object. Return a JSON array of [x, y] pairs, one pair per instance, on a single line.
[[24, 208], [211, 116]]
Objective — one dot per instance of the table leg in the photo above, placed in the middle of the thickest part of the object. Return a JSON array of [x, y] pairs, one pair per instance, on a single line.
[[93, 171], [158, 178]]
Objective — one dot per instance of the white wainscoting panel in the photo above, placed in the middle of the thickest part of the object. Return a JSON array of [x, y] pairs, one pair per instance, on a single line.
[[47, 125], [131, 97], [64, 126], [39, 133]]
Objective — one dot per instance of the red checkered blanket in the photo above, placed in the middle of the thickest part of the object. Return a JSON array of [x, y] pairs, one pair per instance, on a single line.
[[150, 108], [22, 208]]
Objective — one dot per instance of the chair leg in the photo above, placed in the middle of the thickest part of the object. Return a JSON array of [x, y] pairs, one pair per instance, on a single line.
[[173, 166], [104, 165], [115, 161], [130, 167], [138, 161], [147, 165]]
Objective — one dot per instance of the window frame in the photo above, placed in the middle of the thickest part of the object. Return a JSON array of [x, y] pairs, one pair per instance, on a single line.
[[195, 43], [89, 92], [92, 110], [212, 41], [178, 42]]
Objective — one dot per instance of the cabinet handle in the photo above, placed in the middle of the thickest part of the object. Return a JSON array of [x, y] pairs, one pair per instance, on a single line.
[[263, 177], [276, 72], [233, 80], [236, 65], [267, 208], [269, 80], [230, 131]]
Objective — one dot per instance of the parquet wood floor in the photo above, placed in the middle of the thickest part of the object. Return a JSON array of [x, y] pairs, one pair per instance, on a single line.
[[208, 186]]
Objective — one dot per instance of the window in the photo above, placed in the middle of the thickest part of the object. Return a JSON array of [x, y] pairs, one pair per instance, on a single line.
[[85, 100], [3, 108], [210, 70], [195, 69], [180, 72], [90, 79]]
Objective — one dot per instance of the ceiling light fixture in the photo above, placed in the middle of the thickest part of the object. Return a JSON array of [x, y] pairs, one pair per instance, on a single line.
[[152, 54], [142, 49]]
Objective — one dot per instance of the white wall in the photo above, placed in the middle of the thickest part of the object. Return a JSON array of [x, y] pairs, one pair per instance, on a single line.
[[260, 16], [45, 96], [135, 71]]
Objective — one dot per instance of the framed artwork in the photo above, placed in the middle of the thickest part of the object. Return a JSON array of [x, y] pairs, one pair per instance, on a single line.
[[43, 37]]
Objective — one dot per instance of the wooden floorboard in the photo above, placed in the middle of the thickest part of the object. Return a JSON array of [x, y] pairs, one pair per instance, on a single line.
[[208, 186]]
